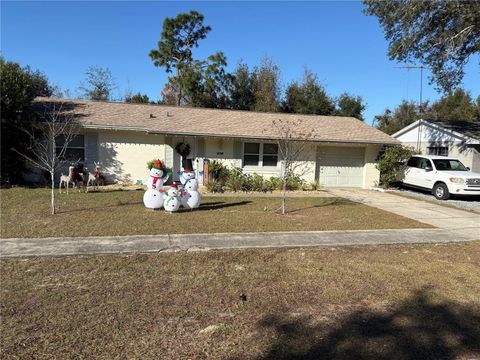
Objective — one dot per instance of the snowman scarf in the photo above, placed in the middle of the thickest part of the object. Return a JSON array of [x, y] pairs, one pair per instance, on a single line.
[[186, 182], [155, 179]]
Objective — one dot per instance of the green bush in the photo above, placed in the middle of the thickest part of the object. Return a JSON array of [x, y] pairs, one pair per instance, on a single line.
[[315, 186], [391, 162], [218, 171], [274, 183], [214, 186], [257, 182], [247, 182], [294, 182], [235, 180]]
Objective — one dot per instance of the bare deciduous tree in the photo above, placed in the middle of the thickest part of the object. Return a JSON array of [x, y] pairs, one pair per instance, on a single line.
[[57, 120], [292, 142]]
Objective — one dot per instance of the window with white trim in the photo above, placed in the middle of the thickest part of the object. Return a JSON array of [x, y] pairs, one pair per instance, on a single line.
[[75, 149], [437, 150], [260, 154]]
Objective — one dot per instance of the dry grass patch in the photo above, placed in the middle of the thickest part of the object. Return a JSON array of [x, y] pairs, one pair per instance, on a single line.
[[382, 302], [25, 213]]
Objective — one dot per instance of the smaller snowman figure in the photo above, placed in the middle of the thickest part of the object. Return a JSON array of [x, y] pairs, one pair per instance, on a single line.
[[156, 180], [172, 202], [153, 199]]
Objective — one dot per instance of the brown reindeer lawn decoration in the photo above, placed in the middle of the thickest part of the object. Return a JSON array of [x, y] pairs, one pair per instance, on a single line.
[[96, 179]]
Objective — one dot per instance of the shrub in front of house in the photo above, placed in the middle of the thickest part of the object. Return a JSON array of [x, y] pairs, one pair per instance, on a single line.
[[215, 186], [391, 164], [294, 182], [235, 180]]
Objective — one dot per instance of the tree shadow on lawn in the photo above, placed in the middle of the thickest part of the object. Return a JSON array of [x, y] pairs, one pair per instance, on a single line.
[[65, 210], [334, 202], [207, 206], [418, 328], [218, 205]]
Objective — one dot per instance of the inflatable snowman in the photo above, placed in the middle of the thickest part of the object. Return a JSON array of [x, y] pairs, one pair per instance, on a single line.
[[172, 201], [191, 198], [156, 180], [185, 176], [153, 199]]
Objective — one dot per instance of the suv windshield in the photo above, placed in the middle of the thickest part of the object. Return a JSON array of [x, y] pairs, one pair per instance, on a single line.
[[449, 164]]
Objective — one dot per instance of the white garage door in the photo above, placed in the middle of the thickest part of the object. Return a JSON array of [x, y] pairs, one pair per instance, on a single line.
[[340, 166]]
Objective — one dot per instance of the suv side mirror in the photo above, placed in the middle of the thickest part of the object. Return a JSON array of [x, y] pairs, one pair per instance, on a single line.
[[428, 168], [468, 169]]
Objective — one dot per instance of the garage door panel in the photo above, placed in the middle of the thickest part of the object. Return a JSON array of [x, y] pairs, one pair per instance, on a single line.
[[340, 166]]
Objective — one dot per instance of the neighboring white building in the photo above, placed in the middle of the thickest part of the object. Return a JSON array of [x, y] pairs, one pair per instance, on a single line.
[[122, 137], [458, 139]]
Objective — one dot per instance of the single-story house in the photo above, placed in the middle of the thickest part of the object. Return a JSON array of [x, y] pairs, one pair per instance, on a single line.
[[458, 139], [122, 137]]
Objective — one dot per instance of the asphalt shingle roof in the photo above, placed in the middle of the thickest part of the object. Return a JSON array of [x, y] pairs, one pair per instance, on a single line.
[[217, 123], [468, 128]]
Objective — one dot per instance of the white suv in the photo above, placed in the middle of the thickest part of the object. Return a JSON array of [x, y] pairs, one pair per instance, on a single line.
[[441, 175]]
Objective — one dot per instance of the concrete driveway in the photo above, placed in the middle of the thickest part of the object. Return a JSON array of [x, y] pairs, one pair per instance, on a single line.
[[439, 216]]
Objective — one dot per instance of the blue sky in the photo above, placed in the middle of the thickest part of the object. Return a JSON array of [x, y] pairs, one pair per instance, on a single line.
[[334, 39]]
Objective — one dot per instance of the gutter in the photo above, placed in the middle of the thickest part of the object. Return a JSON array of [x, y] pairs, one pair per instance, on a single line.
[[171, 133], [179, 133]]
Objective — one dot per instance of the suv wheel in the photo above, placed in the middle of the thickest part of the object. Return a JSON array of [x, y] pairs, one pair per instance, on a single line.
[[440, 191]]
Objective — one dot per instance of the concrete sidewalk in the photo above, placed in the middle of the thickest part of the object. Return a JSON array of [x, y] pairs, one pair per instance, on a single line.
[[451, 226], [159, 243]]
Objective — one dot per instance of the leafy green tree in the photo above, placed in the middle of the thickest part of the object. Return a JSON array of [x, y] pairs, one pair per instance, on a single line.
[[179, 36], [203, 84], [99, 84], [458, 105], [440, 34], [137, 99], [308, 97], [350, 105], [393, 120], [391, 163], [216, 83], [19, 86], [266, 86], [242, 96]]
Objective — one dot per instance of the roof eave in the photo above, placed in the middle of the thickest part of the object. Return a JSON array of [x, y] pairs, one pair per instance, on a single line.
[[253, 137]]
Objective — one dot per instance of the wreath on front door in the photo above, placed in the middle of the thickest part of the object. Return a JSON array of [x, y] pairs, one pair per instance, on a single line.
[[182, 149]]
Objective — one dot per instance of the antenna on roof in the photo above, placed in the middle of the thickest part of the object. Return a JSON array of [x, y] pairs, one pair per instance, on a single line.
[[421, 67]]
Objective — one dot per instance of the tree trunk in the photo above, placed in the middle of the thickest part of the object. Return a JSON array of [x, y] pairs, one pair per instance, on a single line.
[[52, 175], [179, 90]]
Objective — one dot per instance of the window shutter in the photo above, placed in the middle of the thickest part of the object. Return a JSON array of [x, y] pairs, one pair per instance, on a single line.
[[91, 150], [237, 152], [169, 152], [201, 147]]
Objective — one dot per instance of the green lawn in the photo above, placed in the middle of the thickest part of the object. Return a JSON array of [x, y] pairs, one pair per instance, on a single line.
[[25, 213], [378, 302]]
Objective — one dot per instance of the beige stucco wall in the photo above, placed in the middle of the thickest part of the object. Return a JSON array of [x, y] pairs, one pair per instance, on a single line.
[[123, 155], [221, 150], [371, 175], [306, 168]]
